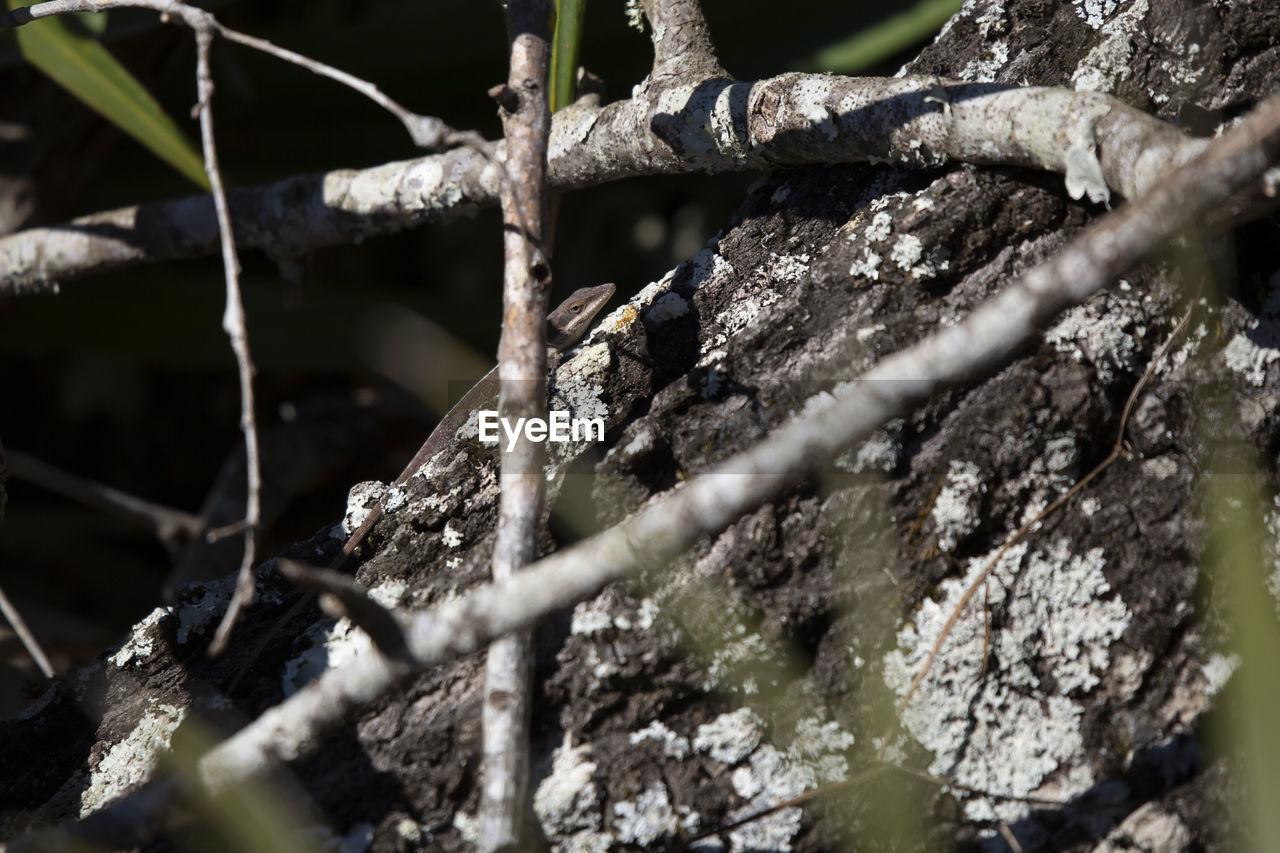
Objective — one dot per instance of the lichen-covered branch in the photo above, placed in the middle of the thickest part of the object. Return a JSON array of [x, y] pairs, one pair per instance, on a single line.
[[682, 47], [1100, 144]]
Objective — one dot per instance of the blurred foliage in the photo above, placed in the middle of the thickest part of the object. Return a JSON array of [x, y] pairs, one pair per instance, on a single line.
[[1244, 728], [567, 42], [76, 62], [877, 43]]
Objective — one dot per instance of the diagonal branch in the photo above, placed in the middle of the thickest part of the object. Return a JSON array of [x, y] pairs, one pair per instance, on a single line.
[[806, 443]]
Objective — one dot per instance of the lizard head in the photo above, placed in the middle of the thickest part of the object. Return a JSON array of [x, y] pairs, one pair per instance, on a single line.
[[574, 316]]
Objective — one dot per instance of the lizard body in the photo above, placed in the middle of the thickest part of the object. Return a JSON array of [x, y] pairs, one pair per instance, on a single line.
[[565, 326]]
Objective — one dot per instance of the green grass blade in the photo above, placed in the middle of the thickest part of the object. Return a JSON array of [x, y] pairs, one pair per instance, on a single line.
[[867, 47], [564, 51], [86, 70]]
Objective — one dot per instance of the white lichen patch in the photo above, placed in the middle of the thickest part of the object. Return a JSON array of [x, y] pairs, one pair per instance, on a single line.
[[390, 593], [129, 763], [879, 229], [141, 642], [1160, 467], [741, 314], [731, 737], [955, 511], [746, 651], [1184, 70], [666, 307], [770, 778], [906, 251], [868, 266], [1217, 670], [1149, 829], [673, 745], [467, 825], [1095, 12], [567, 801], [361, 500], [909, 255], [647, 818], [1107, 64], [985, 69], [330, 647], [1098, 334], [788, 268], [1002, 730], [1251, 353], [1060, 454], [591, 617], [429, 187], [880, 452], [450, 536], [601, 616]]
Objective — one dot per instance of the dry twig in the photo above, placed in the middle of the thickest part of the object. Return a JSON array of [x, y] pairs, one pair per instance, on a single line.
[[522, 366]]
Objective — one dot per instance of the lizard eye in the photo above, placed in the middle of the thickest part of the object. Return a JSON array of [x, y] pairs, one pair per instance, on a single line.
[[577, 308]]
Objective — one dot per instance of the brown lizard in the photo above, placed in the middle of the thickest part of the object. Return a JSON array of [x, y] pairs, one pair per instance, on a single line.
[[565, 326]]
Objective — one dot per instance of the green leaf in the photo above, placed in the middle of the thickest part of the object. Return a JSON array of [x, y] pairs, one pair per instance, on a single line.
[[86, 70], [564, 51], [886, 38]]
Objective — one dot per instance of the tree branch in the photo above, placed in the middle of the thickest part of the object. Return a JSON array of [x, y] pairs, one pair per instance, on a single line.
[[682, 47], [522, 367], [792, 120]]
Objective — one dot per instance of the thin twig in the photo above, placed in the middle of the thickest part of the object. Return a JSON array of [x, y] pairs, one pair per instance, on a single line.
[[522, 366], [1116, 450], [29, 641], [234, 325], [170, 525], [427, 132], [205, 27]]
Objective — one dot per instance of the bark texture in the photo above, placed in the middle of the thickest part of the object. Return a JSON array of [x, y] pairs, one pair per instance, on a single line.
[[1072, 708]]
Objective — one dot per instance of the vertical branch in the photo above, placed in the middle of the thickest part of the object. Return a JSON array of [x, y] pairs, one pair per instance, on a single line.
[[233, 324], [682, 46], [522, 366]]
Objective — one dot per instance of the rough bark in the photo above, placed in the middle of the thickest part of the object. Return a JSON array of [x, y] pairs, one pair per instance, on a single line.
[[769, 661]]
